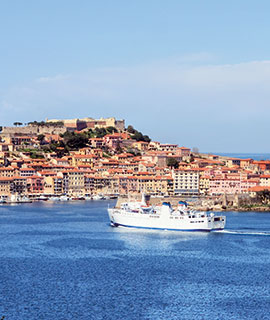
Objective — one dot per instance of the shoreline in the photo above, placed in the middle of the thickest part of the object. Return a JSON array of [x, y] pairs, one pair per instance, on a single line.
[[196, 208], [233, 209]]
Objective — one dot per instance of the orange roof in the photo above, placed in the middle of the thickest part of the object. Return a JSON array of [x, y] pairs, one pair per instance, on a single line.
[[258, 188], [184, 148], [6, 168], [6, 178]]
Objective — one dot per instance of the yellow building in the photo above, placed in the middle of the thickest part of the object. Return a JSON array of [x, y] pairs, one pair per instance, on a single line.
[[160, 185], [204, 184], [79, 159], [5, 187], [73, 183]]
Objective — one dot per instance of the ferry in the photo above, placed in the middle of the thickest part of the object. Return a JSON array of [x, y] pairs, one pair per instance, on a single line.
[[164, 217]]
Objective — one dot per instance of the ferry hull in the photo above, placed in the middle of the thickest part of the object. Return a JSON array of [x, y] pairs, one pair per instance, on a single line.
[[118, 218]]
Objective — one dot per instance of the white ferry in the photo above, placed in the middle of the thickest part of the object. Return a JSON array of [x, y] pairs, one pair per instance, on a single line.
[[164, 217]]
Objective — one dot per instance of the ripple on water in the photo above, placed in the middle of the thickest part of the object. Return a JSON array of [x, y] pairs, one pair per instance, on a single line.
[[84, 243]]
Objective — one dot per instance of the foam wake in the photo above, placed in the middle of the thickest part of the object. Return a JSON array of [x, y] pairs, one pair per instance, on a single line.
[[244, 232]]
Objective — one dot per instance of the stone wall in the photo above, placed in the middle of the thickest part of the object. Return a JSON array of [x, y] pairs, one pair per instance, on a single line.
[[32, 130]]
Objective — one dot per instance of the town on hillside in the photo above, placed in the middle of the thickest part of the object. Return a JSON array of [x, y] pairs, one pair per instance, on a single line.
[[82, 158]]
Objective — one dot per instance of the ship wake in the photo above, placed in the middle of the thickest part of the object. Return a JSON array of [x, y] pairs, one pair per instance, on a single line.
[[244, 232]]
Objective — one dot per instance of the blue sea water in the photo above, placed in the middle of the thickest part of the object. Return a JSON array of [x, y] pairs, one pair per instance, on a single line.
[[64, 261], [254, 156]]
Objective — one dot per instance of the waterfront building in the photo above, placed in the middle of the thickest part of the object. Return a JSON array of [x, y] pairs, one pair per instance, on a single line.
[[186, 182], [19, 185], [73, 182], [204, 184], [232, 185], [35, 185], [5, 187]]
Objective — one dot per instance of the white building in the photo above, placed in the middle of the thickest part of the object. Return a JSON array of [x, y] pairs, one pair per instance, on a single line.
[[186, 182]]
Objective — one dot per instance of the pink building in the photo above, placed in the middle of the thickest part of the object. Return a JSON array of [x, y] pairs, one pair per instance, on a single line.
[[221, 185]]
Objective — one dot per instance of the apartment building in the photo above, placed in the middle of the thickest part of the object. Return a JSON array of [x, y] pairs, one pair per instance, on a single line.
[[186, 182], [73, 182], [265, 180]]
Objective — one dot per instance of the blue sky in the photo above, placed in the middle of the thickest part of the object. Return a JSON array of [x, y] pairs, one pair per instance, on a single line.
[[196, 73]]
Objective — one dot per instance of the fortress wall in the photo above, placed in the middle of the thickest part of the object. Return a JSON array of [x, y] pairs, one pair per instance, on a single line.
[[32, 130]]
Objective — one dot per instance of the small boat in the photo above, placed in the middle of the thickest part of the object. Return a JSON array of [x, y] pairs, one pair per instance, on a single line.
[[19, 199], [42, 198], [64, 198], [78, 198], [98, 197], [54, 199]]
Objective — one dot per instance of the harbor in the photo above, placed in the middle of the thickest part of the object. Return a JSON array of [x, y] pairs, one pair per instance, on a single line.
[[63, 260]]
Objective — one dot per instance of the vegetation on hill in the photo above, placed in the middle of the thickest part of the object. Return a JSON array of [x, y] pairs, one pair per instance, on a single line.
[[46, 124], [74, 141], [172, 163], [137, 135], [100, 132]]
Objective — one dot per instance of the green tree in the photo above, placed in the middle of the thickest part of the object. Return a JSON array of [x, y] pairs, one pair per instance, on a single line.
[[17, 124], [40, 137], [172, 163], [76, 142], [100, 132], [118, 148], [130, 129], [111, 129], [146, 138]]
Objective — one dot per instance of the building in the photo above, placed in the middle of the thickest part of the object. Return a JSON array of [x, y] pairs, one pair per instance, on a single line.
[[186, 182], [73, 183], [204, 184], [183, 152], [168, 147], [6, 184], [90, 123], [265, 180]]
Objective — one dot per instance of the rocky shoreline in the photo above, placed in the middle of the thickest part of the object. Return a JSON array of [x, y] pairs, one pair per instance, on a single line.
[[234, 209]]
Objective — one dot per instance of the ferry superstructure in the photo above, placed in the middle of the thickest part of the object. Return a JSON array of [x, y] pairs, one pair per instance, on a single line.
[[164, 217]]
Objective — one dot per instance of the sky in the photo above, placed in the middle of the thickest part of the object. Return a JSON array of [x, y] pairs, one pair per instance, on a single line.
[[194, 72]]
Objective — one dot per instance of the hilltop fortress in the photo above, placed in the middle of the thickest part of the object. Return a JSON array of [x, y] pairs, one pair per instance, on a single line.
[[57, 127], [90, 123]]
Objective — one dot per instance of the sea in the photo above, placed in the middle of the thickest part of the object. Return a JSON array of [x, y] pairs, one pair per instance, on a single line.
[[62, 260], [254, 156]]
